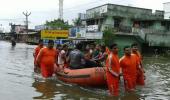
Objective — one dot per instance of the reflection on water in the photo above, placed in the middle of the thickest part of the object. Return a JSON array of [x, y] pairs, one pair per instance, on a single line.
[[18, 81], [47, 89], [52, 88], [131, 96]]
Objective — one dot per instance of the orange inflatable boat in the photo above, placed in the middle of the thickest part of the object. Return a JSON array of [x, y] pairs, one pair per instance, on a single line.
[[84, 77]]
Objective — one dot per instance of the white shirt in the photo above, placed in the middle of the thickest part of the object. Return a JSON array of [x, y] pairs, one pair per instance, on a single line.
[[60, 59]]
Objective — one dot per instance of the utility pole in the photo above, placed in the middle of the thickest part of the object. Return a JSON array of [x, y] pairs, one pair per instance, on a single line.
[[26, 14], [61, 9]]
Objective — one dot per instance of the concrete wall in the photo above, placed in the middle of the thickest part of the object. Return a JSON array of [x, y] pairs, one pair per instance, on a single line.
[[97, 11], [126, 22], [126, 14], [153, 37], [157, 26], [133, 12], [125, 40], [126, 11], [158, 40], [108, 22], [166, 7], [123, 11]]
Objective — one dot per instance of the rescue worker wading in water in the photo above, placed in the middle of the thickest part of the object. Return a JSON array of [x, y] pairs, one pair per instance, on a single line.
[[35, 54], [46, 59], [140, 71], [113, 70], [129, 64]]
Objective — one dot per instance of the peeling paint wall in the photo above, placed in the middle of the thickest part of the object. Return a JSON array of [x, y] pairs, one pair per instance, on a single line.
[[159, 40], [157, 26], [125, 40], [108, 22]]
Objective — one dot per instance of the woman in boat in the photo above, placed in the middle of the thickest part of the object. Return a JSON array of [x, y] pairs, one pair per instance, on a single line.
[[101, 56]]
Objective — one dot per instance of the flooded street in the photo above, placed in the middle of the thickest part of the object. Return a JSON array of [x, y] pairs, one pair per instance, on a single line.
[[18, 82]]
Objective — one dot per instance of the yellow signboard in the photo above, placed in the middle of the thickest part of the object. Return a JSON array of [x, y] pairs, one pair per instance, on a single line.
[[54, 34]]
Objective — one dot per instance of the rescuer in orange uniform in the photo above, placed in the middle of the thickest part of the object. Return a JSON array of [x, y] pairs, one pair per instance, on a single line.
[[128, 64], [107, 50], [113, 70], [140, 72], [35, 54], [46, 59]]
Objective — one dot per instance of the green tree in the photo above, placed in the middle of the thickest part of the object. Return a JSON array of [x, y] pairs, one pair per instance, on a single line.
[[77, 22], [58, 24], [108, 36]]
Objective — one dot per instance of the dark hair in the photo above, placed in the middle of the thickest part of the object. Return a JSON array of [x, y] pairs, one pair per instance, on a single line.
[[65, 45], [58, 45], [134, 44], [40, 40], [50, 41], [79, 46], [103, 47], [126, 47], [113, 45]]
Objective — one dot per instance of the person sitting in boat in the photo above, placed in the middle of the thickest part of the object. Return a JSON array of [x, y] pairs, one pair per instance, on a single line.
[[89, 63], [102, 56], [96, 53], [58, 49], [91, 49], [76, 58], [99, 55], [62, 57]]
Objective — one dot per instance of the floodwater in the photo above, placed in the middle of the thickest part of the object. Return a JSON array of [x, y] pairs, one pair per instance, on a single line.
[[18, 82]]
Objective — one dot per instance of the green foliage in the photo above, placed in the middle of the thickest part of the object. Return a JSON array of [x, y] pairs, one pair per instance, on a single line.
[[77, 22], [58, 24], [108, 36], [99, 42]]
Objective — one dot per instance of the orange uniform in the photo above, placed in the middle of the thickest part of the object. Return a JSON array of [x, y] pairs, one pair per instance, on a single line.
[[47, 59], [140, 74], [113, 81], [129, 70], [36, 51], [107, 51]]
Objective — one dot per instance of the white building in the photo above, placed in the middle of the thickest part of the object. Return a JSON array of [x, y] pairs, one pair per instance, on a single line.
[[166, 7], [20, 29], [40, 27]]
